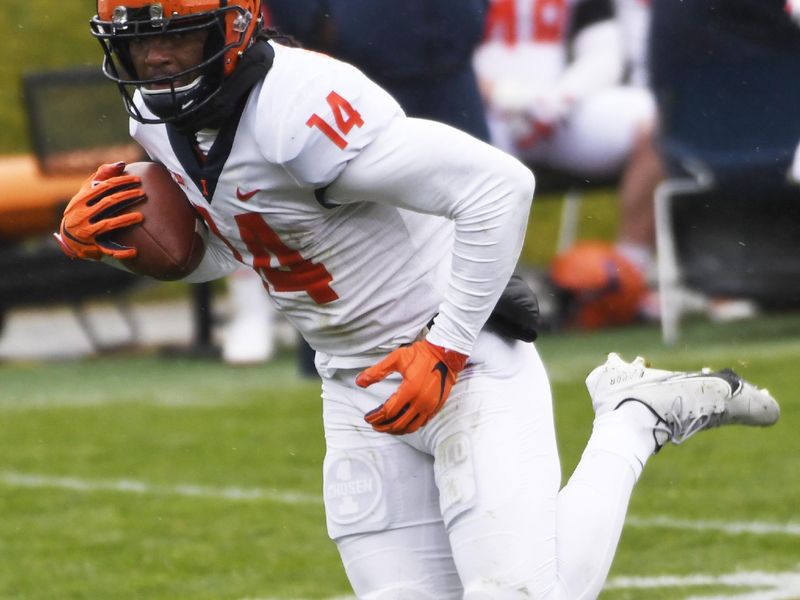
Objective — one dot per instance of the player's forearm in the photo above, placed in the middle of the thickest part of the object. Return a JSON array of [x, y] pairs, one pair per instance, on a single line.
[[212, 266], [216, 263], [490, 230], [598, 61], [431, 168]]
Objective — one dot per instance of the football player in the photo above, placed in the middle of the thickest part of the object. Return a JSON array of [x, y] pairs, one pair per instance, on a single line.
[[431, 78], [390, 243], [552, 74]]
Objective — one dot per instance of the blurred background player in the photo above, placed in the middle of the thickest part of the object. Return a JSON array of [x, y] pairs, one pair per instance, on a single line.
[[633, 19], [420, 51], [553, 75]]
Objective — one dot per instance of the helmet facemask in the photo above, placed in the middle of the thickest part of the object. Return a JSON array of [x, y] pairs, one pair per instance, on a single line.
[[175, 97]]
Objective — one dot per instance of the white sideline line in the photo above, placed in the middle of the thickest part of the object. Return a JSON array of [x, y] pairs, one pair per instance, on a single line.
[[283, 598], [772, 586], [16, 479], [129, 486], [729, 527], [760, 585]]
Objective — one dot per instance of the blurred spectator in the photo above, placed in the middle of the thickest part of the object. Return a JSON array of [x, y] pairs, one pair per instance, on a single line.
[[418, 50], [552, 72]]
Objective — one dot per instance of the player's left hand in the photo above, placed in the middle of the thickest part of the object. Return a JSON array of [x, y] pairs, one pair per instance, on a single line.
[[428, 371]]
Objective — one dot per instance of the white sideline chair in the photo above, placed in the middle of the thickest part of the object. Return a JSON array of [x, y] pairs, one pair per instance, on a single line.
[[671, 288]]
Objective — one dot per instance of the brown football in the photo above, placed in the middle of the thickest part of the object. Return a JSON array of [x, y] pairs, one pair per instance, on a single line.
[[168, 243]]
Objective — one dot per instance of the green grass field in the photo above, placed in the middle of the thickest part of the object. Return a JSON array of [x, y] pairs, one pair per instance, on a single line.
[[37, 35], [140, 476]]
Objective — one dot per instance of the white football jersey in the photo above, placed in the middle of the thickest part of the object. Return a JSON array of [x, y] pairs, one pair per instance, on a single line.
[[355, 279], [560, 63], [524, 39], [634, 19]]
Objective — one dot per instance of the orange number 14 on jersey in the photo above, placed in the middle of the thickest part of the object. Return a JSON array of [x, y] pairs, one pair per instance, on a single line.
[[344, 114], [295, 274]]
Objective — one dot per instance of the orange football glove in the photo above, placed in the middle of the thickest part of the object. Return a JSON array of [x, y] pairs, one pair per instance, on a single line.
[[90, 214], [428, 371]]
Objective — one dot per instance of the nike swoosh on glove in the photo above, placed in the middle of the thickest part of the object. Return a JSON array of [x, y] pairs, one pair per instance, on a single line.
[[93, 212], [429, 373]]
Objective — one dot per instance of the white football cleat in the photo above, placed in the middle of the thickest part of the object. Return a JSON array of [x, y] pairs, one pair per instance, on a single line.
[[684, 403]]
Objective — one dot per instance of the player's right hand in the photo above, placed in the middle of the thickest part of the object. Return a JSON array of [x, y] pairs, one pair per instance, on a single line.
[[545, 114], [93, 212], [429, 373]]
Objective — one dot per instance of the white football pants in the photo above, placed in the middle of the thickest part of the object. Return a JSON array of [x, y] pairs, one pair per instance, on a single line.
[[469, 506], [596, 139]]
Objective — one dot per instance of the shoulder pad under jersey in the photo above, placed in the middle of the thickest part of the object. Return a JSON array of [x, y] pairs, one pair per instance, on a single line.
[[315, 113]]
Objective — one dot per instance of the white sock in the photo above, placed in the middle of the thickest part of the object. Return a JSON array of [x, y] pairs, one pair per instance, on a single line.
[[593, 504], [639, 255], [626, 432]]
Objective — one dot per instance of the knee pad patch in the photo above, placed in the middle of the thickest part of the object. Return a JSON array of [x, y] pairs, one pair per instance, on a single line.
[[455, 476], [354, 494]]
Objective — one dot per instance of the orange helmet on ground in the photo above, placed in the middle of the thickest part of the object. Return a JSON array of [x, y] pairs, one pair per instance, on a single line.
[[599, 286], [232, 27]]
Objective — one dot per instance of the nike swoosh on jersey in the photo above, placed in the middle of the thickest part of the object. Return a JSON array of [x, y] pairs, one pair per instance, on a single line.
[[245, 196]]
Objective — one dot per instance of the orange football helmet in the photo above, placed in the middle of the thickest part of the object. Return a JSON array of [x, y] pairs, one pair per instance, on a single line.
[[599, 286], [232, 27]]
